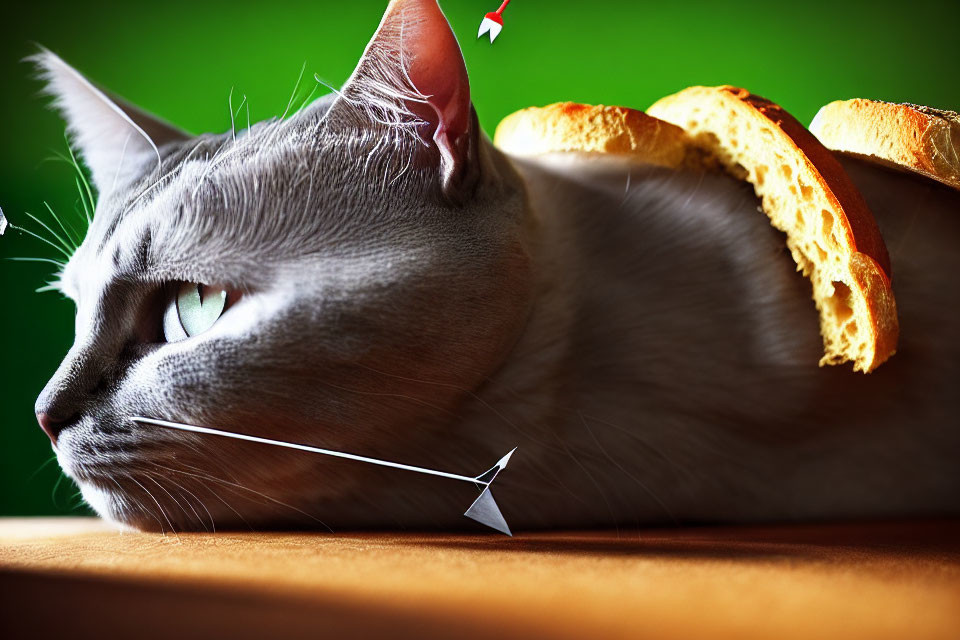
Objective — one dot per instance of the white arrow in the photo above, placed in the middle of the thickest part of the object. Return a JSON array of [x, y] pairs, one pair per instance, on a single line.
[[484, 509]]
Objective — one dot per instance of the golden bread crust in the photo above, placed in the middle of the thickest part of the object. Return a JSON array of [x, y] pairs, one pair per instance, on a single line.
[[909, 137], [570, 126]]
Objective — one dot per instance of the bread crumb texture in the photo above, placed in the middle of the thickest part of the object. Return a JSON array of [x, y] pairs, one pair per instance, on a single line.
[[806, 194]]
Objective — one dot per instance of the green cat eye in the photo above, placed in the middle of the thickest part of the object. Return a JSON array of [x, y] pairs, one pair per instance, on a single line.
[[193, 310]]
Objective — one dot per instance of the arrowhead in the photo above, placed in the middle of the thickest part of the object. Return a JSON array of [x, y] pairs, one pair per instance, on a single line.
[[505, 459], [488, 476], [485, 511]]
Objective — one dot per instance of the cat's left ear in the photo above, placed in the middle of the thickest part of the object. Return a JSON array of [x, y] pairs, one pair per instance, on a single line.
[[412, 76], [114, 138]]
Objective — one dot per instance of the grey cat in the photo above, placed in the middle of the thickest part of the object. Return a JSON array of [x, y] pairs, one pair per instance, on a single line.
[[371, 275]]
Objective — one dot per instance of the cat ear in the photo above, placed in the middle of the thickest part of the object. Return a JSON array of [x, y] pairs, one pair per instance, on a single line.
[[412, 76], [112, 137]]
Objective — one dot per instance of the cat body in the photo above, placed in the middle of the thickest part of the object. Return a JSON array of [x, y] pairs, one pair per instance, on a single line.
[[398, 288], [670, 375]]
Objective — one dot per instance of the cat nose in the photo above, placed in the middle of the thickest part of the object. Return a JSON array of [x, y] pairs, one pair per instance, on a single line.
[[51, 426], [62, 400]]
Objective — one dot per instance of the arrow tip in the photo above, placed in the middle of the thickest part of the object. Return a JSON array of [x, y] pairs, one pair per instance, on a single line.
[[488, 476], [502, 463]]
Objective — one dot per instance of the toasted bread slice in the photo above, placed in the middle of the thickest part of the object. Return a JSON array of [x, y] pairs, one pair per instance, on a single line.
[[905, 136], [807, 194], [569, 126]]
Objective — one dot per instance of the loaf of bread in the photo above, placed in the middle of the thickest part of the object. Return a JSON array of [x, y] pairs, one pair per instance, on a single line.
[[805, 192], [906, 136], [569, 126]]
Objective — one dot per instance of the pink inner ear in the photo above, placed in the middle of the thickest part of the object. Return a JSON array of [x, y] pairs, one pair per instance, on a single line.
[[437, 70]]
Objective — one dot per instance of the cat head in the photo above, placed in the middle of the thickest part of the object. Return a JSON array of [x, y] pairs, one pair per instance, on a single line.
[[343, 277]]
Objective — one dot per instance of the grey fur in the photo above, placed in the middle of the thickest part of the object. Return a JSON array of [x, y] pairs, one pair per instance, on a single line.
[[641, 335]]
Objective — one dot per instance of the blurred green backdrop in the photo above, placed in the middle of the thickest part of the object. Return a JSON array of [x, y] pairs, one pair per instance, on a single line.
[[180, 60]]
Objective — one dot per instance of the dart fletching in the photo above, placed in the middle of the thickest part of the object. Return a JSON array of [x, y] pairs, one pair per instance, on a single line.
[[485, 511], [492, 23]]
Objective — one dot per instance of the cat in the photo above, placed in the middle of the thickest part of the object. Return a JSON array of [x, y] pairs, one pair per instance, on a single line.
[[371, 275]]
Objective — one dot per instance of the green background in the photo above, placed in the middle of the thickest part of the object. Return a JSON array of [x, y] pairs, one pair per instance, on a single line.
[[180, 59]]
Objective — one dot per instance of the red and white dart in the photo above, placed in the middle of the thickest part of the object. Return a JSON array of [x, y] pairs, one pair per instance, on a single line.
[[492, 23]]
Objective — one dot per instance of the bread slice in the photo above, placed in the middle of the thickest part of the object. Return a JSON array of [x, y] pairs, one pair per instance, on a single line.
[[906, 136], [806, 193], [569, 126]]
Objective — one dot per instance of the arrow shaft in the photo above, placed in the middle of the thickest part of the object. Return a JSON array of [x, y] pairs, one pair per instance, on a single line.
[[503, 6], [302, 447]]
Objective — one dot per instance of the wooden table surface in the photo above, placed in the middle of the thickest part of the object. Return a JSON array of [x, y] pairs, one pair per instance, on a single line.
[[77, 577]]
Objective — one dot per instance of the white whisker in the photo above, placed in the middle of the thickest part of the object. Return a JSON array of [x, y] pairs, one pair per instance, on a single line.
[[157, 502]]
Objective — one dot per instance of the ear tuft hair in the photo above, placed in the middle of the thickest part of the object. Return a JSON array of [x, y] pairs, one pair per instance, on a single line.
[[380, 88], [412, 80]]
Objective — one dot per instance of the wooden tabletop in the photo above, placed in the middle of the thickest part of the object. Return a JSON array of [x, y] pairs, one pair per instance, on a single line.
[[78, 577]]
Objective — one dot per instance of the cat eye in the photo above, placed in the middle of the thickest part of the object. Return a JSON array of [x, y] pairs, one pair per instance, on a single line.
[[193, 309]]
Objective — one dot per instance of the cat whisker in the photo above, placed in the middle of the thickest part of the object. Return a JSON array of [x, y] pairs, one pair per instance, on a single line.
[[181, 490], [296, 88], [69, 238], [213, 526], [123, 497], [83, 186], [222, 468], [309, 97], [56, 485], [41, 467], [39, 237], [207, 476], [120, 499], [237, 113], [52, 261], [151, 477], [157, 502], [233, 126], [209, 489], [229, 506]]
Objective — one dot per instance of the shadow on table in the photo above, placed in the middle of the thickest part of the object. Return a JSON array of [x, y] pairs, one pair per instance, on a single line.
[[809, 541]]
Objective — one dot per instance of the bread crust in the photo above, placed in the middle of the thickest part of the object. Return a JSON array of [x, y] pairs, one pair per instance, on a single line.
[[909, 137], [849, 266], [570, 126]]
